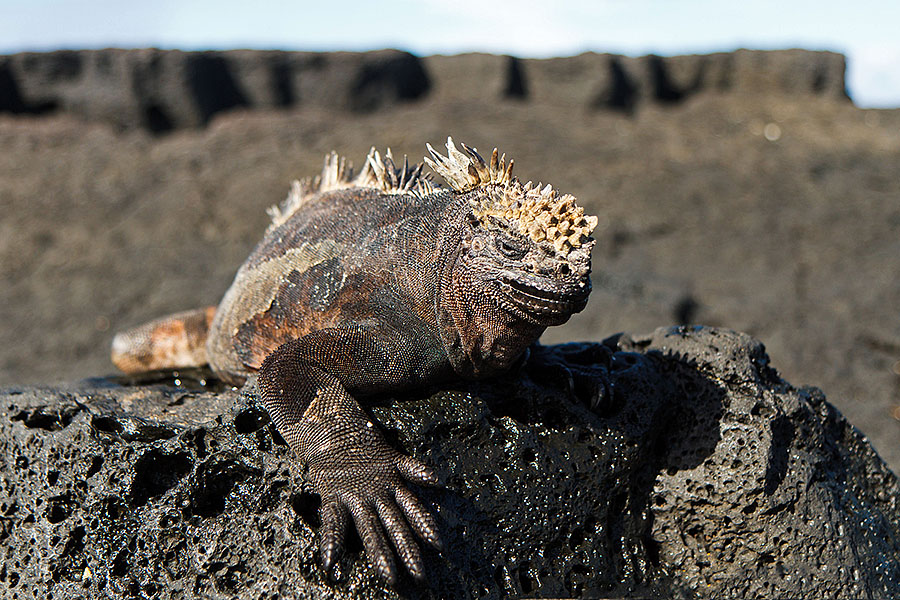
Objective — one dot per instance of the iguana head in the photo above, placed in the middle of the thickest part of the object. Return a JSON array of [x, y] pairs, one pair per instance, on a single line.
[[528, 247]]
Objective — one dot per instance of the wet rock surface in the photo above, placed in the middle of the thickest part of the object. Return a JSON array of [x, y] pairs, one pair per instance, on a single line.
[[676, 464]]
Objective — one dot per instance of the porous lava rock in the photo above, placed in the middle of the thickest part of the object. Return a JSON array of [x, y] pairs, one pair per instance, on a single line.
[[676, 464]]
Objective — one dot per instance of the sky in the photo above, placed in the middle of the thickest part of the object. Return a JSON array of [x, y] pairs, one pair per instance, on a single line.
[[867, 31]]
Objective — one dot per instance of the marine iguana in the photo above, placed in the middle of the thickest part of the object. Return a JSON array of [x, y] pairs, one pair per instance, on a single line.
[[378, 283]]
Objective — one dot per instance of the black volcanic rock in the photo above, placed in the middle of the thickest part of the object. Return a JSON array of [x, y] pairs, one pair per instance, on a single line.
[[673, 465], [622, 83], [163, 90]]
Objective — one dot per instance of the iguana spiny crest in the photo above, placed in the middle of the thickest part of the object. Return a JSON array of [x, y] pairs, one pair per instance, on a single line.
[[378, 173], [540, 212]]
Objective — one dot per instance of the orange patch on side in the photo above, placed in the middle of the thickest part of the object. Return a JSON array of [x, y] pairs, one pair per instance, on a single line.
[[315, 299], [210, 314], [168, 333], [175, 341]]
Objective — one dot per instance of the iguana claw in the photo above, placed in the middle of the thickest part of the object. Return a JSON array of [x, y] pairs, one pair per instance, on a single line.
[[363, 478]]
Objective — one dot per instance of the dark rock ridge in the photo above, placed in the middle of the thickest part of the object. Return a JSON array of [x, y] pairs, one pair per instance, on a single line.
[[162, 90], [622, 83], [676, 464]]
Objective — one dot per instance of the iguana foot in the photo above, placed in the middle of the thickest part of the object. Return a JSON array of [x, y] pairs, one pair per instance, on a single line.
[[359, 475]]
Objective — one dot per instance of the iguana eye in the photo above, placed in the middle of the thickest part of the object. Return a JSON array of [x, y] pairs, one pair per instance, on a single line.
[[511, 248]]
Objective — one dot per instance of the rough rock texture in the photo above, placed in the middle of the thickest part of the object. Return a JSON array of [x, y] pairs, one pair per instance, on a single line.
[[700, 473], [163, 90]]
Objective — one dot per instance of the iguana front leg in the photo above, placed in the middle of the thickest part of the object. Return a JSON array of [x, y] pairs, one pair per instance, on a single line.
[[304, 387]]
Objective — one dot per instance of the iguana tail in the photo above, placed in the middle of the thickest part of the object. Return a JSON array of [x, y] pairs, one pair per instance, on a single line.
[[176, 341]]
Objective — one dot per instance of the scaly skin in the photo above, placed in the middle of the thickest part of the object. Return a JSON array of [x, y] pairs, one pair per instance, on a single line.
[[381, 283]]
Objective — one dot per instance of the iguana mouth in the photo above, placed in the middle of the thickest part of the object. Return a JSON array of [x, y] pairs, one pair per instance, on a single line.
[[562, 300]]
